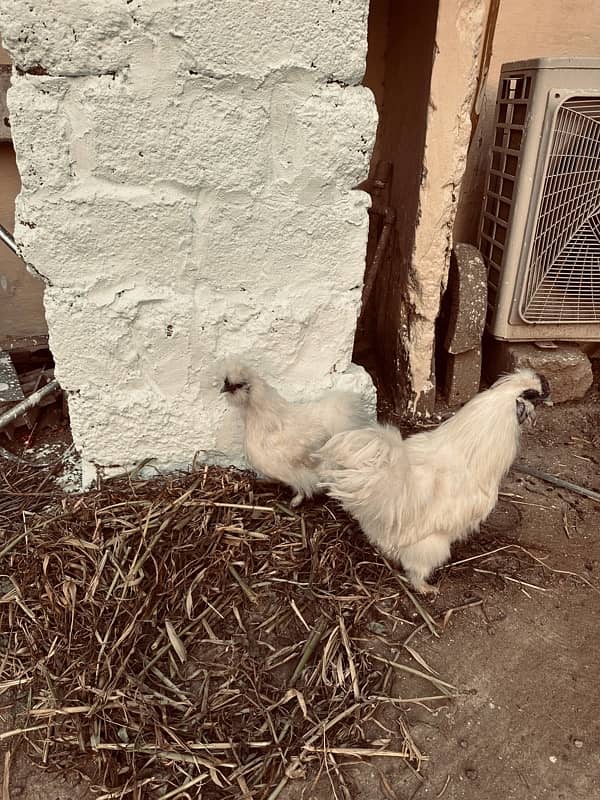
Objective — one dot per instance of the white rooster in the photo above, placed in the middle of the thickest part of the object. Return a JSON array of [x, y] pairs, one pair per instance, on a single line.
[[413, 497], [280, 437]]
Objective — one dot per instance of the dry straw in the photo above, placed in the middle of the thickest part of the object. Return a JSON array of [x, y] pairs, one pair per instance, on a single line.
[[191, 636]]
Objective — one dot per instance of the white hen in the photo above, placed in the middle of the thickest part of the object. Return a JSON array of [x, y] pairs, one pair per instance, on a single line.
[[413, 497], [280, 437]]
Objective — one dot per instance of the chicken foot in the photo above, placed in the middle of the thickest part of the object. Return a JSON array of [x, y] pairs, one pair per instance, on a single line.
[[424, 588], [297, 499]]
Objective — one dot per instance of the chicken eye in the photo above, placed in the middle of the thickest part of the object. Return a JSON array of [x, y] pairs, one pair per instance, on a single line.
[[521, 411], [530, 394]]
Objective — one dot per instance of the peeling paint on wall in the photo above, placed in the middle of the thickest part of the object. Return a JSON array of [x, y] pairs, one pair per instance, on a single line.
[[188, 173], [453, 82]]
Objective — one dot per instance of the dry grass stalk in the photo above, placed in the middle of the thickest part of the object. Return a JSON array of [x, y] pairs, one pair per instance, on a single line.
[[6, 776]]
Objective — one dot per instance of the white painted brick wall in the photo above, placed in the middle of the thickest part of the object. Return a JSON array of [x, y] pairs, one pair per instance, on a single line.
[[188, 173]]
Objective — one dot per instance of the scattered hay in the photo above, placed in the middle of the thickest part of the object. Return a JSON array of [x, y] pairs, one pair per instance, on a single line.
[[192, 634]]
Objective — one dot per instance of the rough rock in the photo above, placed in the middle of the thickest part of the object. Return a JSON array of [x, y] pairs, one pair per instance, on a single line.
[[567, 368], [463, 376], [467, 289]]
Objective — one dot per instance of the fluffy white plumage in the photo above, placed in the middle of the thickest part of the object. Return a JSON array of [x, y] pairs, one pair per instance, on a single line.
[[413, 497], [281, 437]]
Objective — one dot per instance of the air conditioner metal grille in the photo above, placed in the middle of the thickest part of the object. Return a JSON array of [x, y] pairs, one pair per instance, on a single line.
[[562, 284], [512, 112]]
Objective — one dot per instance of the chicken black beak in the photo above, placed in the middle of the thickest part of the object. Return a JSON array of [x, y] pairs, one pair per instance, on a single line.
[[230, 388], [545, 388]]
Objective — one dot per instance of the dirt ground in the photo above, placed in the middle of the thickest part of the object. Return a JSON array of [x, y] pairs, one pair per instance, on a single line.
[[526, 658]]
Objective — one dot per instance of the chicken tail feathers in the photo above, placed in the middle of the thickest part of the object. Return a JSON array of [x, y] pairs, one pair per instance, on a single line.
[[354, 458], [360, 448]]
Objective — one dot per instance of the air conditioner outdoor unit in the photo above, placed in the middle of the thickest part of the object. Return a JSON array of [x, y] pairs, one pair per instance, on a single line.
[[540, 224]]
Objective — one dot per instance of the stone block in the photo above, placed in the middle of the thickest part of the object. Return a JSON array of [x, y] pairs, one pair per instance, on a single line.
[[467, 285], [36, 105], [253, 39], [309, 163], [204, 134], [466, 308], [463, 375], [98, 236], [282, 243], [71, 37], [567, 368]]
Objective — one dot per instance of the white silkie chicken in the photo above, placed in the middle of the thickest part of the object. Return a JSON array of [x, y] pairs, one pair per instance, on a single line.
[[281, 437], [413, 497]]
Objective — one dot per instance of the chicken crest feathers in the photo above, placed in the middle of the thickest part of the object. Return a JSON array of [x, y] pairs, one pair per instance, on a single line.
[[519, 381], [235, 371]]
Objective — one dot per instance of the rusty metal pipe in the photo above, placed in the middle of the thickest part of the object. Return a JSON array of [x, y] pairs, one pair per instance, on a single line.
[[9, 241], [28, 403], [382, 245]]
